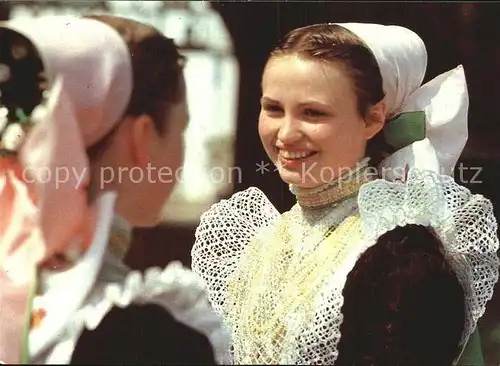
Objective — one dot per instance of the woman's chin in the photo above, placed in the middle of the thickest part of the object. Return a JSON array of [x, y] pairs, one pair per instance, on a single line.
[[295, 178]]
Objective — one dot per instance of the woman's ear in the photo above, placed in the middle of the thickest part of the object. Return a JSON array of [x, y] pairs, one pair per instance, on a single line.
[[143, 130], [375, 119]]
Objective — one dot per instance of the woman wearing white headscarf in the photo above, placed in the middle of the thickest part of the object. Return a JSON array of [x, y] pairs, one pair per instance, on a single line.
[[87, 102], [384, 260]]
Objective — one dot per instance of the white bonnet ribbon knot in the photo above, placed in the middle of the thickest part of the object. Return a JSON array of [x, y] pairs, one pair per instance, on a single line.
[[444, 101]]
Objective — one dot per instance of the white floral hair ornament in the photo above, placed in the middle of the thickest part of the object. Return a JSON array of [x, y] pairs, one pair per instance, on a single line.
[[464, 223], [13, 137], [14, 134]]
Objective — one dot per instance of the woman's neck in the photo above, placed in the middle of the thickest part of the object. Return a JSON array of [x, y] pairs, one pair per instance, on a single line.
[[336, 190]]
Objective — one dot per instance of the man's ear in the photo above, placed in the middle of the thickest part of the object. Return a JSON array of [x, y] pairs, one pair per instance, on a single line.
[[375, 119], [143, 131]]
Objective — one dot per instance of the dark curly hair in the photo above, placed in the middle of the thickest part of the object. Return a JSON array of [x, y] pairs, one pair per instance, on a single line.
[[157, 67]]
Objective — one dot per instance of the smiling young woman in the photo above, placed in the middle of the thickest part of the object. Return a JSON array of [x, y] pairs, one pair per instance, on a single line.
[[309, 123], [363, 270]]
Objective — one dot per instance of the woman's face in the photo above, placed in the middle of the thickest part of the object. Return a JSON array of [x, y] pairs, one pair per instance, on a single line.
[[309, 123]]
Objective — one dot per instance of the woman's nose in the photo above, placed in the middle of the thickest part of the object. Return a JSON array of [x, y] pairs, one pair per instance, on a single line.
[[289, 131]]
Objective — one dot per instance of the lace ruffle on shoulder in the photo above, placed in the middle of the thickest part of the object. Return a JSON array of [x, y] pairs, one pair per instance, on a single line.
[[247, 253], [279, 282], [224, 232], [177, 289], [464, 222]]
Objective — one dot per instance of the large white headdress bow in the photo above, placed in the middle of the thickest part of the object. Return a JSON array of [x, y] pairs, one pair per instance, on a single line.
[[427, 124], [428, 127]]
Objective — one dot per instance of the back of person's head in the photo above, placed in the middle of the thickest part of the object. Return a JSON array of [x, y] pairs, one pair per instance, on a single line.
[[81, 95], [157, 68], [130, 108]]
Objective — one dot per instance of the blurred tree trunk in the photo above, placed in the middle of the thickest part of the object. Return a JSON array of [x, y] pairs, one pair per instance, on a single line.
[[4, 10]]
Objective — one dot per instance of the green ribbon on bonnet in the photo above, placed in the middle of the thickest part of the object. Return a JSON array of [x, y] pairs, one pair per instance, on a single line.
[[405, 129]]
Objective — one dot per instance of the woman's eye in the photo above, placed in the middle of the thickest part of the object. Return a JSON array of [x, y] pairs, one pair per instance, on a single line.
[[272, 108], [314, 113]]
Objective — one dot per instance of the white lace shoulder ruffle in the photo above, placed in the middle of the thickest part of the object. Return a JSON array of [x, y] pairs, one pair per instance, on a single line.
[[177, 289], [464, 222], [224, 232]]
